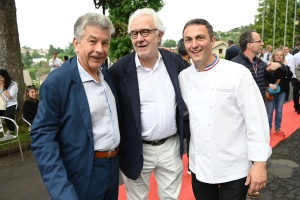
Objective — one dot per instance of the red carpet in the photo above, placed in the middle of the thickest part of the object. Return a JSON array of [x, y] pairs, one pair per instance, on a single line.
[[290, 123]]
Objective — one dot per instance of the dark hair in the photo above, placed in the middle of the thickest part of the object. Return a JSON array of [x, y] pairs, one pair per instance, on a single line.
[[200, 22], [230, 41], [7, 78], [66, 58], [298, 43], [26, 94], [181, 48], [245, 38]]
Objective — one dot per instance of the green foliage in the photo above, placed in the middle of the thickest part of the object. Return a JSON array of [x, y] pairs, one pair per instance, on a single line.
[[232, 34], [170, 43], [27, 58], [123, 12], [120, 44], [280, 22]]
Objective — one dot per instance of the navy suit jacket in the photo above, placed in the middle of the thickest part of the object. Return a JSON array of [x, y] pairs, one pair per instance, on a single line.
[[124, 76], [232, 52], [62, 135]]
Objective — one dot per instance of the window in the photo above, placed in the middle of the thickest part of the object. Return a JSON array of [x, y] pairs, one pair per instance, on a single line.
[[220, 51]]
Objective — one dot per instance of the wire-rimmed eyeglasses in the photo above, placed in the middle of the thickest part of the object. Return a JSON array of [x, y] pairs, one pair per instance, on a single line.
[[143, 32]]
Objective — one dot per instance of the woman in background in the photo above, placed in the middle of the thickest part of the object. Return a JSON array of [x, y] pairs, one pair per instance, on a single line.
[[9, 92], [31, 103], [277, 102]]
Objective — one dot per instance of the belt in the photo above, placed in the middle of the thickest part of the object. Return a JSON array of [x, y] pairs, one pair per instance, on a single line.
[[156, 142], [106, 154]]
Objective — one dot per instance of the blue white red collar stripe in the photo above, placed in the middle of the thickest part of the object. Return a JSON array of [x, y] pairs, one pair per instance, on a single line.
[[208, 67]]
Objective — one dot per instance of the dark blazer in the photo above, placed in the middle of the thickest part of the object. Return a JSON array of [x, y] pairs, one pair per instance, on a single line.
[[232, 52], [124, 76], [62, 135]]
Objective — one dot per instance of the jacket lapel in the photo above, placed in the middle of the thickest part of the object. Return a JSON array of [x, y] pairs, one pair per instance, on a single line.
[[132, 87], [81, 98]]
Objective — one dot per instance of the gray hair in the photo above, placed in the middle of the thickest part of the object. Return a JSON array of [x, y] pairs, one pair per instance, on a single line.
[[92, 19], [150, 12]]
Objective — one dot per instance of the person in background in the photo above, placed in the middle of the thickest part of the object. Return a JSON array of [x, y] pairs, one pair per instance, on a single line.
[[229, 124], [31, 103], [261, 54], [186, 59], [296, 83], [66, 58], [251, 45], [75, 134], [232, 51], [277, 103], [290, 62], [9, 92], [268, 54], [296, 49], [151, 124], [55, 62]]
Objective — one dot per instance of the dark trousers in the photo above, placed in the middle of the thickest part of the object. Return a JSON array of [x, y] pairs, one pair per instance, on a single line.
[[233, 190], [104, 183], [10, 112], [287, 94], [296, 89], [187, 135]]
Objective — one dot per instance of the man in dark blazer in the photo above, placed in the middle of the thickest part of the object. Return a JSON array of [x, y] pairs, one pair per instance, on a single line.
[[151, 125], [232, 50], [75, 134]]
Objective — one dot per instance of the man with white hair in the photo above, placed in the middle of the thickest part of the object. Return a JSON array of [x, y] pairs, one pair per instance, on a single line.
[[151, 124]]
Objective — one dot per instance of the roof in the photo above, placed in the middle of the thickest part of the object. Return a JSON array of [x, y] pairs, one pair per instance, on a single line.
[[218, 43]]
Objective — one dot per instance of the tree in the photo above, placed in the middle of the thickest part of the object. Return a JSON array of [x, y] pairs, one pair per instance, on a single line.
[[120, 44], [27, 58], [280, 21], [170, 43], [10, 53]]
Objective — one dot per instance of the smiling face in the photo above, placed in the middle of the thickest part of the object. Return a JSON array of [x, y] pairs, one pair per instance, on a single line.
[[93, 48], [198, 44], [32, 93], [145, 47]]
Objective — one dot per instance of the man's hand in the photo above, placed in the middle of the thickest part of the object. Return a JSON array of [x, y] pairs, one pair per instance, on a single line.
[[257, 177], [272, 66]]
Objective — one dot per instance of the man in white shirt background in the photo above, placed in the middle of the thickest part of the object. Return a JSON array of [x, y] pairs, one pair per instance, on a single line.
[[296, 84], [228, 121], [55, 62], [290, 61]]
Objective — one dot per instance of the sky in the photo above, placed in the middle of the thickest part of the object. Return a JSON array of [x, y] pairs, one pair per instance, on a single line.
[[43, 22]]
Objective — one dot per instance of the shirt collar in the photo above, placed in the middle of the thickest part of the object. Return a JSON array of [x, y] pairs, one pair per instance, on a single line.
[[210, 66], [138, 63], [86, 77]]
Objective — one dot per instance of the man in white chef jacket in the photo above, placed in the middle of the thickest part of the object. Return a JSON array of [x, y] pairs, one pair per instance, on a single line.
[[228, 121]]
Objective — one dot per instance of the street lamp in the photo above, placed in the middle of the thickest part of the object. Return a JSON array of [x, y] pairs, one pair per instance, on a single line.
[[99, 3]]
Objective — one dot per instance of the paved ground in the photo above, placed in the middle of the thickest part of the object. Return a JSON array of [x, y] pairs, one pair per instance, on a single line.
[[21, 180]]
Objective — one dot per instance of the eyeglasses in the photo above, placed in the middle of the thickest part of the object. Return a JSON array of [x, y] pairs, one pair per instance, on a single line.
[[258, 41], [143, 32]]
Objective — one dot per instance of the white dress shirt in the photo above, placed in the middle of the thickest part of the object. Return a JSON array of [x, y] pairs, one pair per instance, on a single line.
[[297, 61], [103, 111], [157, 99], [290, 61], [228, 121], [52, 64]]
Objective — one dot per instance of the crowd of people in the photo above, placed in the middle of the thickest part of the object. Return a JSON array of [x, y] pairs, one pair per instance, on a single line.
[[92, 120]]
